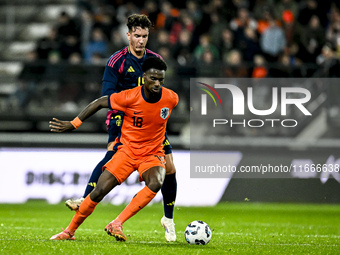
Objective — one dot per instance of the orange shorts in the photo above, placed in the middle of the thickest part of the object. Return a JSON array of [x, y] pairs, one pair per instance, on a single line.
[[122, 165]]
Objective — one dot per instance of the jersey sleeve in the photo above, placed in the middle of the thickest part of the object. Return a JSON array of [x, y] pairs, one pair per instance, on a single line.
[[111, 74], [110, 80], [109, 88], [176, 99], [119, 101]]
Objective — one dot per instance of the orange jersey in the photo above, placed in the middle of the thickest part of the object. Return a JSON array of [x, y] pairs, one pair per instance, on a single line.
[[144, 122]]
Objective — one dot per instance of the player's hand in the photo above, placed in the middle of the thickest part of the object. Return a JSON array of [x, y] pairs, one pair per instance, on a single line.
[[59, 126]]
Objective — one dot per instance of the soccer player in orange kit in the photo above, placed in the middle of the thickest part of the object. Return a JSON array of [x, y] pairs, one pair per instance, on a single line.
[[147, 109], [123, 71]]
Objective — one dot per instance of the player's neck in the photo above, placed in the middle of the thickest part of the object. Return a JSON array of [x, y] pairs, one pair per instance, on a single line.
[[137, 54], [147, 94], [150, 97]]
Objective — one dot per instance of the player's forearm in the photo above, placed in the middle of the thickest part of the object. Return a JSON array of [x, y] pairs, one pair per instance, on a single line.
[[93, 107], [59, 126]]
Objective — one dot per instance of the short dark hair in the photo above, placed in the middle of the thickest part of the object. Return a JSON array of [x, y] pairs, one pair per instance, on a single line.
[[138, 20], [154, 62]]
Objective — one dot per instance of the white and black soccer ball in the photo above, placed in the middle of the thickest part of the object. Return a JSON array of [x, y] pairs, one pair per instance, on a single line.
[[198, 232]]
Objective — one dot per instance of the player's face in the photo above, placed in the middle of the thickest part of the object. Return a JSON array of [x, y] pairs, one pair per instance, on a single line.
[[153, 81], [138, 37]]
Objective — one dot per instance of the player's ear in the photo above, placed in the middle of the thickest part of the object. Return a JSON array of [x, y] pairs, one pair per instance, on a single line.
[[128, 35]]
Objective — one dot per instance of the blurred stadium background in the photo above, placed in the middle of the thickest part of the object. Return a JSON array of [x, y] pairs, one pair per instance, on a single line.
[[52, 57]]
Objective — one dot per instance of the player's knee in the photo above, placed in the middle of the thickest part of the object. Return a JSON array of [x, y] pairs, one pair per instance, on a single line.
[[155, 185], [155, 180]]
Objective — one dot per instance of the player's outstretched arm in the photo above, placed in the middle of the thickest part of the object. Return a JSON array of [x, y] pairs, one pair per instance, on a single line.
[[59, 126]]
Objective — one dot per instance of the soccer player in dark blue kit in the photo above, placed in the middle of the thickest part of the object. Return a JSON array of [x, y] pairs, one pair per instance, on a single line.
[[124, 71]]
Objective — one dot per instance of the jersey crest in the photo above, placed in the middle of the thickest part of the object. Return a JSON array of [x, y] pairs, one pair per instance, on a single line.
[[164, 113]]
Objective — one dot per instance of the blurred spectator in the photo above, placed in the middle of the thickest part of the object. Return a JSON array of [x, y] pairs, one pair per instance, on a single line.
[[234, 65], [98, 44], [208, 66], [75, 58], [327, 54], [312, 40], [217, 27], [260, 70], [54, 69], [183, 49], [264, 18], [288, 24], [68, 46], [67, 26], [273, 41], [243, 20], [184, 22], [54, 57], [27, 84], [329, 64], [205, 45], [249, 44], [312, 8], [167, 15], [285, 7], [283, 68], [240, 23], [151, 10], [194, 11], [48, 44], [226, 42], [292, 51], [161, 40], [106, 22]]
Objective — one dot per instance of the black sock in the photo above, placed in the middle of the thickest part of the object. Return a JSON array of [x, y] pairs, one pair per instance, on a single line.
[[97, 171], [169, 190]]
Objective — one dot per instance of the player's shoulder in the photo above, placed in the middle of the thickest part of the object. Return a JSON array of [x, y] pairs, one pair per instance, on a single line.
[[170, 93], [151, 53], [127, 95], [118, 57], [133, 92]]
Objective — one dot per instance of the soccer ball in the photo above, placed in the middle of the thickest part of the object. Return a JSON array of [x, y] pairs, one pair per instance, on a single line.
[[198, 232]]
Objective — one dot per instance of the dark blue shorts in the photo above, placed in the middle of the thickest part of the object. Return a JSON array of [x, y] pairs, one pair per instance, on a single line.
[[114, 125]]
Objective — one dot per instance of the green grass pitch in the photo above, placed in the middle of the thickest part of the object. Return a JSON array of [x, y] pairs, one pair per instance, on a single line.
[[238, 228]]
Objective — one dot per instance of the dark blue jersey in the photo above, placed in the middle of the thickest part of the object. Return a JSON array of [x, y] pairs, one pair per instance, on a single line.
[[124, 71]]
